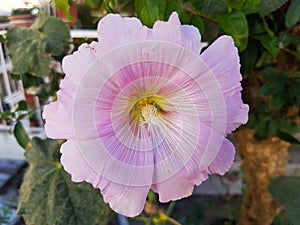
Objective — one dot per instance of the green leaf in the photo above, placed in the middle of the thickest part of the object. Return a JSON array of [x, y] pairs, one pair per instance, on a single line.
[[287, 126], [55, 32], [284, 39], [56, 38], [270, 44], [294, 88], [268, 6], [2, 39], [91, 3], [197, 22], [293, 15], [21, 106], [48, 196], [31, 49], [235, 4], [6, 115], [251, 7], [264, 60], [285, 190], [287, 137], [271, 88], [255, 24], [150, 11], [271, 73], [275, 82], [212, 6], [279, 99], [295, 40], [172, 6], [235, 24], [65, 7], [27, 51], [269, 31], [248, 58], [40, 21], [21, 135], [30, 80], [261, 127]]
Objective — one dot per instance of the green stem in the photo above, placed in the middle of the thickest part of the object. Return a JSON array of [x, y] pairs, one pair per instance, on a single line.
[[147, 221], [199, 14], [170, 208], [267, 29], [169, 219]]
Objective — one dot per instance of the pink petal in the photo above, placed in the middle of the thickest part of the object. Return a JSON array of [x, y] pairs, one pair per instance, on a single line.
[[75, 165], [179, 186], [194, 98], [123, 199], [61, 127], [223, 60], [122, 156], [172, 31], [114, 31], [191, 174], [75, 65], [58, 114], [116, 195], [224, 159]]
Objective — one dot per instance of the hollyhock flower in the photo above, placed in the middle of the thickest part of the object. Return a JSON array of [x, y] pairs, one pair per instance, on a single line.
[[142, 109]]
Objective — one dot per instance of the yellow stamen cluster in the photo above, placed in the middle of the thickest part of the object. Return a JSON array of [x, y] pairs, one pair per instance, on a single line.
[[146, 110], [149, 112]]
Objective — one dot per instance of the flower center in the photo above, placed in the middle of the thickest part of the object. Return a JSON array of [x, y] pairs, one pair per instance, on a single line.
[[148, 113], [146, 110]]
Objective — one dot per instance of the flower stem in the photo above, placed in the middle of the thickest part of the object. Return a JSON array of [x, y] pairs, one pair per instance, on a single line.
[[170, 208], [164, 217], [199, 14], [169, 219]]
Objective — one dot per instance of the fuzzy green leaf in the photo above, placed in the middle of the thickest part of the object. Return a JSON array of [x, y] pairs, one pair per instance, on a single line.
[[293, 15], [235, 24], [27, 51], [150, 11], [285, 190], [48, 196], [21, 135], [56, 38], [31, 49]]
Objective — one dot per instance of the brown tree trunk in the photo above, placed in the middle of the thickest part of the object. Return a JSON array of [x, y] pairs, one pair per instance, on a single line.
[[261, 161]]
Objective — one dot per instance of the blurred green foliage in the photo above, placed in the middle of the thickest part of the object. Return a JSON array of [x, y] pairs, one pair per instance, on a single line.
[[48, 196], [285, 190]]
